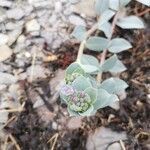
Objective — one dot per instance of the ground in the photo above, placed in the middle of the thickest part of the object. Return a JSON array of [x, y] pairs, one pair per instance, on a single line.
[[38, 48]]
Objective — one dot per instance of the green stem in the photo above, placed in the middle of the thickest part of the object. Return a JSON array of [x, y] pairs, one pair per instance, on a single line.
[[103, 56], [82, 45]]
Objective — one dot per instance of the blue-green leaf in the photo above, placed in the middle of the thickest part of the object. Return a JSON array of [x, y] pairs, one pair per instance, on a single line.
[[104, 99], [72, 113], [81, 83], [89, 63], [106, 28], [74, 68], [106, 16], [88, 112], [124, 2], [113, 64], [92, 92], [118, 45], [145, 2], [131, 22], [89, 68], [97, 43], [79, 33], [101, 6], [118, 67], [114, 85], [114, 4]]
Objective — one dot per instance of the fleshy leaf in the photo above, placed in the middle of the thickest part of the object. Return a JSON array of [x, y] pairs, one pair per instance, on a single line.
[[81, 83], [104, 99], [113, 64], [106, 28], [118, 67], [145, 2], [101, 6], [114, 4], [74, 68], [124, 2], [92, 93], [89, 63], [89, 68], [118, 45], [114, 85], [97, 43], [72, 113], [131, 22], [88, 112], [106, 16], [79, 33]]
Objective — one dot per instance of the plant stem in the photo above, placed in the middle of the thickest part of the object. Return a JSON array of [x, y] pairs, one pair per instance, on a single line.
[[103, 55], [82, 45]]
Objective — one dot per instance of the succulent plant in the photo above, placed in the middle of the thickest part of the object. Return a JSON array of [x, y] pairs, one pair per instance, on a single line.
[[85, 91]]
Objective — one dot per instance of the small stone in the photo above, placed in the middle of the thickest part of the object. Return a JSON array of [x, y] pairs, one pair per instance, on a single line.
[[32, 25], [3, 39], [13, 35], [13, 25], [16, 13], [114, 146], [21, 39], [58, 7], [5, 52], [5, 3], [76, 20], [7, 79], [54, 125]]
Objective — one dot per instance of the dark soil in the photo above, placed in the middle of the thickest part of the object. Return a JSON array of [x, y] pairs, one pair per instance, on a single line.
[[133, 116]]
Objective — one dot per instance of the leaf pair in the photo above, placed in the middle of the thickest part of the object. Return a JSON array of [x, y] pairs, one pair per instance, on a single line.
[[115, 46]]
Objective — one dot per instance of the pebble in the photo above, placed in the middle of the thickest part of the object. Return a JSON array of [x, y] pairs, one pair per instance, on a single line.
[[5, 3], [5, 52], [32, 25], [58, 7], [6, 78], [114, 146], [15, 13], [3, 38], [54, 125], [76, 20]]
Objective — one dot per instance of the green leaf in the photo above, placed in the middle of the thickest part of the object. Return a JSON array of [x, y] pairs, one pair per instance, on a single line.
[[89, 63], [114, 4], [79, 33], [118, 67], [74, 68], [88, 112], [113, 64], [97, 43], [114, 85], [145, 2], [101, 6], [72, 113], [124, 2], [118, 45], [89, 68], [106, 28], [92, 92], [104, 99], [106, 16], [89, 60], [81, 83], [131, 22]]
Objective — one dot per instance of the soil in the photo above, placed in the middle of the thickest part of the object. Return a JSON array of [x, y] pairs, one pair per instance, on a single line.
[[132, 117]]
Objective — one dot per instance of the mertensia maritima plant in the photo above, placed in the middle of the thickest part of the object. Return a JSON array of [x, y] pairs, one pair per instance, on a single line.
[[84, 92]]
